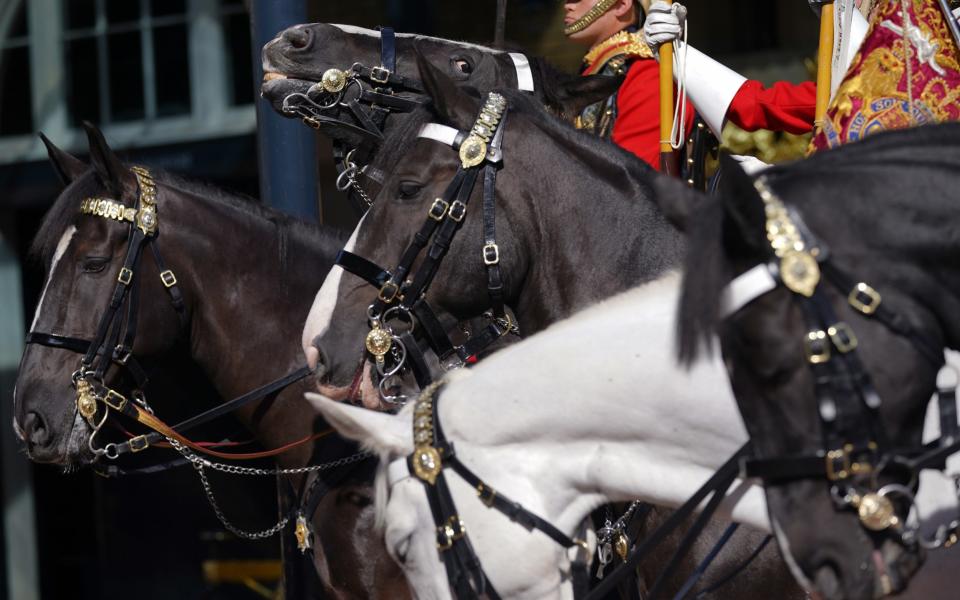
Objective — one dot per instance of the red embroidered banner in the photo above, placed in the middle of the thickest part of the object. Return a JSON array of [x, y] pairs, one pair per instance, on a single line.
[[874, 95]]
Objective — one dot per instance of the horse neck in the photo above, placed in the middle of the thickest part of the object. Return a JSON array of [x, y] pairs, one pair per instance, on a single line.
[[249, 280], [596, 229], [626, 423]]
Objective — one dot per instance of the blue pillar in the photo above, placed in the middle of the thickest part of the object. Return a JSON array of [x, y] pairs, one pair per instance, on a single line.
[[286, 148]]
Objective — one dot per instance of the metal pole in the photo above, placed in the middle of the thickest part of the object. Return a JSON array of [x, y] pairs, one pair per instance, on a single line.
[[824, 67], [286, 149], [499, 32], [667, 158], [951, 22]]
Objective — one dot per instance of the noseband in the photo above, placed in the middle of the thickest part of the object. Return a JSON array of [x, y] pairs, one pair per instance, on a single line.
[[855, 449], [401, 298], [431, 455]]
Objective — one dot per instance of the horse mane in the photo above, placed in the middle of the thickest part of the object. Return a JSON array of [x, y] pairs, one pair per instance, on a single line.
[[710, 245], [65, 210]]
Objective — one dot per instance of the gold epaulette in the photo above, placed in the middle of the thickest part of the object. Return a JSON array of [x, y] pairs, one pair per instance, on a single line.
[[622, 43]]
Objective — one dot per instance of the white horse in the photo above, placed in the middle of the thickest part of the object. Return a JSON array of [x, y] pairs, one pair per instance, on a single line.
[[591, 411]]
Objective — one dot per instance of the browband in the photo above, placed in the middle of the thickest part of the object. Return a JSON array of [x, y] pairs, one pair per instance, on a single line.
[[746, 288], [447, 136], [524, 74]]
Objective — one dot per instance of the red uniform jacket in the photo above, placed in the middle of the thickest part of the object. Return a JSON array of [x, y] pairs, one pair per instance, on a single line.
[[782, 107]]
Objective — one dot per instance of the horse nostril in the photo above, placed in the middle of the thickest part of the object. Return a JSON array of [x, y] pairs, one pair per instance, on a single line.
[[35, 430], [298, 38]]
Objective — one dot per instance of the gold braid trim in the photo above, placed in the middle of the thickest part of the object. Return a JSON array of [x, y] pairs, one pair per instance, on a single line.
[[592, 15], [623, 42]]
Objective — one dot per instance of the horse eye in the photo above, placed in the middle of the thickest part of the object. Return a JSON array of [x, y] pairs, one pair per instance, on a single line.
[[401, 549], [409, 189], [94, 264], [463, 66]]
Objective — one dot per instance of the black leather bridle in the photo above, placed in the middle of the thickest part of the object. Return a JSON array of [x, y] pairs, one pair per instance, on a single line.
[[369, 95], [855, 449], [432, 454], [113, 342], [402, 294]]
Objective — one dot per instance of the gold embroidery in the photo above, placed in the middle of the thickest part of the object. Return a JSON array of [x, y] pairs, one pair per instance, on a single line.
[[633, 45]]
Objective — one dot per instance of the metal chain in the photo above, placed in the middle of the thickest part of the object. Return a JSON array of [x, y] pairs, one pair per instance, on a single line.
[[200, 464], [250, 535], [199, 461]]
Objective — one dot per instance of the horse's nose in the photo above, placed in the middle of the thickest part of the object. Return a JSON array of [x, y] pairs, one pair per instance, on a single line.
[[35, 431], [297, 37]]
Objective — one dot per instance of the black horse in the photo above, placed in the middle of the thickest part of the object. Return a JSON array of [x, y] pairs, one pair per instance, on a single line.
[[247, 275], [852, 365], [361, 114], [576, 221]]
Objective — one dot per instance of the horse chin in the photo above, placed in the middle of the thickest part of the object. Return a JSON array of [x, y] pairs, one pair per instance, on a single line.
[[71, 455], [277, 87]]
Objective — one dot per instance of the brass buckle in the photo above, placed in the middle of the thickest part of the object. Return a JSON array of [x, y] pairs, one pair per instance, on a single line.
[[139, 443], [491, 254], [115, 401], [842, 455], [457, 211], [816, 347], [864, 298], [486, 494], [843, 337], [450, 532], [125, 276], [388, 292], [438, 209], [168, 278], [380, 74]]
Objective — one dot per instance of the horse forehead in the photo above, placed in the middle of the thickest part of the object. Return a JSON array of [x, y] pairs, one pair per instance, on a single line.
[[354, 30]]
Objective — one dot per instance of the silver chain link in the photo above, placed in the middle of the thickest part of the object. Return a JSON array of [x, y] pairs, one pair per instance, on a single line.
[[200, 464]]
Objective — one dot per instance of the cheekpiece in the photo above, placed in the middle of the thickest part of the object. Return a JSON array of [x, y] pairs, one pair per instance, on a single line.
[[799, 269], [473, 150], [591, 15], [425, 460]]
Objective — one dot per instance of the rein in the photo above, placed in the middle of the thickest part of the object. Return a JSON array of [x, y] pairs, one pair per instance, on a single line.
[[107, 348], [855, 449], [401, 294]]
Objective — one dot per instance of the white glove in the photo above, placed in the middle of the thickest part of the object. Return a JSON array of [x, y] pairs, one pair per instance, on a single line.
[[664, 24], [956, 13]]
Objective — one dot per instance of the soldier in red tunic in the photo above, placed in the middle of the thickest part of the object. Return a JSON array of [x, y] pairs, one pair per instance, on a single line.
[[719, 93], [631, 117]]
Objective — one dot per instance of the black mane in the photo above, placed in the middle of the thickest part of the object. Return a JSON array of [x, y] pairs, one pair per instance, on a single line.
[[839, 181]]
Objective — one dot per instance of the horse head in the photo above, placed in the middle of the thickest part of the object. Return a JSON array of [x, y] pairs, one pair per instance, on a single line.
[[322, 72], [832, 381], [82, 246]]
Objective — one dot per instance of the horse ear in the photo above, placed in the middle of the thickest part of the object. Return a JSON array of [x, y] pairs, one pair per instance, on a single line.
[[111, 170], [380, 432], [570, 94], [451, 102], [67, 166], [742, 206]]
